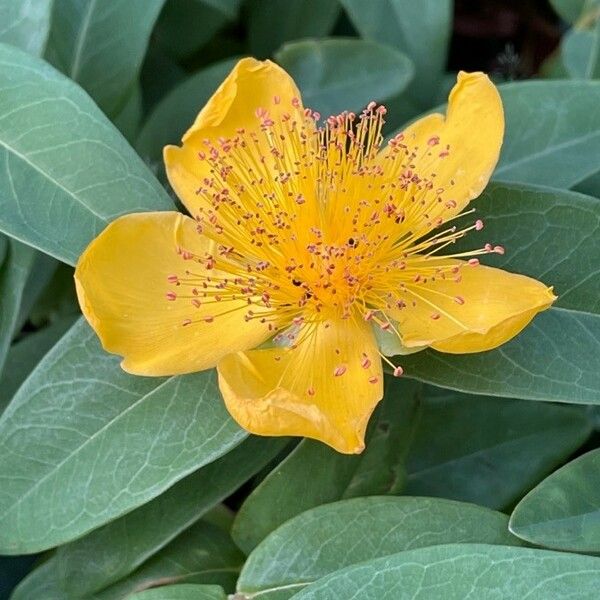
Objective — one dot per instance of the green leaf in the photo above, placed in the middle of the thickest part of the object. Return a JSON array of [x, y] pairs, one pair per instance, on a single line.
[[419, 29], [41, 273], [572, 10], [60, 189], [83, 442], [25, 24], [459, 571], [552, 235], [175, 113], [489, 451], [182, 592], [580, 52], [314, 474], [552, 132], [202, 554], [115, 550], [295, 19], [177, 29], [328, 538], [128, 120], [24, 355], [14, 272], [337, 74], [39, 584], [563, 511], [101, 45]]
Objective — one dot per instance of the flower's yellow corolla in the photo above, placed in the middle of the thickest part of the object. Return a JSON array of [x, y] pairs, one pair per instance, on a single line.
[[301, 240]]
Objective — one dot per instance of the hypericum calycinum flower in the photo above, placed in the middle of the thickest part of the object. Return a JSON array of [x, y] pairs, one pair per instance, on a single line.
[[304, 242]]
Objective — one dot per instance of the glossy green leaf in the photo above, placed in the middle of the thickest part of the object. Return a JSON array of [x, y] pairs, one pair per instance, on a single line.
[[202, 554], [59, 188], [580, 52], [563, 511], [461, 571], [182, 592], [25, 24], [551, 235], [295, 19], [101, 45], [337, 74], [83, 442], [178, 31], [419, 29], [14, 271], [552, 132], [115, 550], [175, 113], [328, 538], [314, 474], [489, 451], [24, 355]]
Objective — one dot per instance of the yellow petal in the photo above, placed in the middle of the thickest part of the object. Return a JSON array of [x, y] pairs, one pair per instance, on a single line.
[[325, 388], [481, 311], [122, 286], [251, 85], [457, 153]]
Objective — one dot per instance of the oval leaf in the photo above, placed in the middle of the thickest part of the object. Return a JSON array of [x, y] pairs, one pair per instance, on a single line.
[[338, 74], [552, 132], [328, 538], [296, 19], [419, 29], [182, 592], [66, 171], [563, 511], [202, 554], [116, 549], [25, 24], [101, 45], [83, 442], [501, 458], [461, 571]]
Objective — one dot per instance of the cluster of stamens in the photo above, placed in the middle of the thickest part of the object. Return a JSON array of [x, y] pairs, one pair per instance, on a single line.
[[312, 223]]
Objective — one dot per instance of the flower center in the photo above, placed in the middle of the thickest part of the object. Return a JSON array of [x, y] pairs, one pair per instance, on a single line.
[[316, 222]]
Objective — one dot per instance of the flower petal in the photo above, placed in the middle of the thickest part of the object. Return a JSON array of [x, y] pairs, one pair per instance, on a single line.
[[251, 85], [122, 287], [456, 153], [324, 388], [481, 311]]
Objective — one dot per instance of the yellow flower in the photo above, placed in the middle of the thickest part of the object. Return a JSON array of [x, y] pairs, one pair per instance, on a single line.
[[304, 241]]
